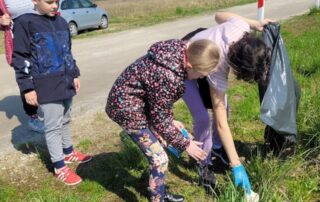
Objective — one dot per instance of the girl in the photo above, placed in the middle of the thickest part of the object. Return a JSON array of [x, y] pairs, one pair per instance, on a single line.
[[142, 98], [218, 142]]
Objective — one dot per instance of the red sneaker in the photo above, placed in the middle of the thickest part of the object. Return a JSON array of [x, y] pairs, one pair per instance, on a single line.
[[78, 157], [67, 176]]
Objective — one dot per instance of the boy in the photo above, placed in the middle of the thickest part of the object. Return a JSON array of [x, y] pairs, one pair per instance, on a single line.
[[9, 10], [48, 76]]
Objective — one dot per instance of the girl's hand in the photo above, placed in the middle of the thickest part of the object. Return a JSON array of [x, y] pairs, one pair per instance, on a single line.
[[195, 151], [32, 98], [178, 125], [258, 25], [5, 20], [241, 178]]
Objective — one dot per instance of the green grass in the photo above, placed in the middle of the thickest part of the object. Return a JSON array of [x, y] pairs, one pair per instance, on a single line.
[[119, 171]]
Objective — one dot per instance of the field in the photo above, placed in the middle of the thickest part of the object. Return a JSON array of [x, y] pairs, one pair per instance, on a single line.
[[128, 14]]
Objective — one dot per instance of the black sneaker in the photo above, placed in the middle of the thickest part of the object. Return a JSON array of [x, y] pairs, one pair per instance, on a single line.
[[207, 178], [219, 155], [168, 197]]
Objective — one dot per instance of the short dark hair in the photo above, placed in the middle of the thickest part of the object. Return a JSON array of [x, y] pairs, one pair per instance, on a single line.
[[250, 59]]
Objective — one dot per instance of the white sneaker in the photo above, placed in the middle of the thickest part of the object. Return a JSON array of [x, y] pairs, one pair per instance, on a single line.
[[35, 124]]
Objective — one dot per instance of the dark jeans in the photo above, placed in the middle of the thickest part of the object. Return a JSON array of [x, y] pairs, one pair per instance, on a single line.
[[29, 109]]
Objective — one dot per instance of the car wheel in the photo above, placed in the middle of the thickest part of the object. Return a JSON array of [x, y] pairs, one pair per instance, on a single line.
[[104, 22], [73, 29]]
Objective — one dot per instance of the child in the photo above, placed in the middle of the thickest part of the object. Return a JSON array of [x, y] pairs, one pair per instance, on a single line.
[[48, 76], [142, 98], [218, 142], [9, 10]]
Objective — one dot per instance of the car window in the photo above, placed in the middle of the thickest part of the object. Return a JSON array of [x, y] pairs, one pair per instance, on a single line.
[[86, 3], [75, 4], [65, 5], [70, 4]]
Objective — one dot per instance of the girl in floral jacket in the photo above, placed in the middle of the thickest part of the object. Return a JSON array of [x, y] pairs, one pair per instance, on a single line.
[[142, 98]]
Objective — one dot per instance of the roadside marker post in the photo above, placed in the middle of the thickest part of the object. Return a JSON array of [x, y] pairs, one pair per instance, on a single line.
[[261, 10], [317, 4]]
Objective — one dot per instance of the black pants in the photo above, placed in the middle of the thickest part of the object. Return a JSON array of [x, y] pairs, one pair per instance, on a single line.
[[29, 109]]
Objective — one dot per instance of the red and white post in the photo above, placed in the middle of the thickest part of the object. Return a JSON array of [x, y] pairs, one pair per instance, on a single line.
[[260, 10]]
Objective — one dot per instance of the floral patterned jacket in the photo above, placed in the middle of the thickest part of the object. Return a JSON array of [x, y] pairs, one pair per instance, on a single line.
[[144, 94]]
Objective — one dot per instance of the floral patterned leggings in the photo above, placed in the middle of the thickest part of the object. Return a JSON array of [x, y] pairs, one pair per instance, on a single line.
[[158, 161]]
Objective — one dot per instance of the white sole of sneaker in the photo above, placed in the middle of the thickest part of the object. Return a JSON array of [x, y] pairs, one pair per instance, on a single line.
[[69, 162], [71, 184]]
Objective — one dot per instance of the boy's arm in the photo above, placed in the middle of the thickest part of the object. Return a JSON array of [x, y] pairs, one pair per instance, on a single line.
[[77, 72], [21, 60]]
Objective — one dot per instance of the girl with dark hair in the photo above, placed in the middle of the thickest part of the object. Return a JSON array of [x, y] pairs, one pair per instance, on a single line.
[[232, 30], [250, 59]]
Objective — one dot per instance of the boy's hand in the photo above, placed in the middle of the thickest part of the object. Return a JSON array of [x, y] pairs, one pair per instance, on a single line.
[[5, 20], [32, 98], [76, 83]]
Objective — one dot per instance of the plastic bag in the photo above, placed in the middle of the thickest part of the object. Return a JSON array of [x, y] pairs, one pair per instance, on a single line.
[[279, 105]]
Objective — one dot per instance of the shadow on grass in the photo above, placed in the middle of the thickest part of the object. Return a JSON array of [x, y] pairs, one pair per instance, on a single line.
[[126, 173], [40, 149], [248, 150], [177, 166], [122, 172]]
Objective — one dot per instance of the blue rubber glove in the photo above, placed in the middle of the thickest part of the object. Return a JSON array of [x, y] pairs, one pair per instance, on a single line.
[[173, 150], [240, 178]]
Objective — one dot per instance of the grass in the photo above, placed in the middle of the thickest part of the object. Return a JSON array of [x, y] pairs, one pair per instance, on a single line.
[[135, 13], [119, 172]]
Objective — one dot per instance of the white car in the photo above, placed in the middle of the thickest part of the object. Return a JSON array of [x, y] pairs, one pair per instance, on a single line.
[[82, 14]]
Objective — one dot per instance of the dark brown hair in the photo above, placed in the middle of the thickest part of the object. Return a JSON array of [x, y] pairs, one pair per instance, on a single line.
[[250, 59]]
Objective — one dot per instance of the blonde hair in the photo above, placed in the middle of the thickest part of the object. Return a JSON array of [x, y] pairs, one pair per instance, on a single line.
[[203, 55]]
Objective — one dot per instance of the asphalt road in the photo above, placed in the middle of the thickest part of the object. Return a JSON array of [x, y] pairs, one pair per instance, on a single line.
[[102, 58]]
